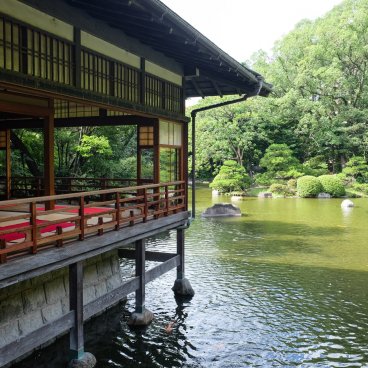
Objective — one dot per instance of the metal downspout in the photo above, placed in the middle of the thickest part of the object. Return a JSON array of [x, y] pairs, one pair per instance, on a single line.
[[210, 107]]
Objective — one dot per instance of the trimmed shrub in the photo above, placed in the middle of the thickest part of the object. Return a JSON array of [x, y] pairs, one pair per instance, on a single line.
[[308, 186], [332, 185], [232, 177]]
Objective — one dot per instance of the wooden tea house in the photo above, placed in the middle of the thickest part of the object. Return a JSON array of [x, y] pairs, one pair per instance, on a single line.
[[72, 63]]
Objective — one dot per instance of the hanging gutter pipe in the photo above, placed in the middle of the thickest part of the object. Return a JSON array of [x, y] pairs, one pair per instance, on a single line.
[[210, 107]]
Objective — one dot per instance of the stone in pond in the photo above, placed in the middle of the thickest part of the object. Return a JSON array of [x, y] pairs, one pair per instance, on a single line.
[[222, 210], [346, 203], [324, 195], [265, 195]]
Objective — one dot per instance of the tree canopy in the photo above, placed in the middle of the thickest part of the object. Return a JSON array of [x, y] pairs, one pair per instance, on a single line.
[[319, 104]]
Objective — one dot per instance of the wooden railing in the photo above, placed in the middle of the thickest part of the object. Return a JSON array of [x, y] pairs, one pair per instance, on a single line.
[[30, 186], [26, 226]]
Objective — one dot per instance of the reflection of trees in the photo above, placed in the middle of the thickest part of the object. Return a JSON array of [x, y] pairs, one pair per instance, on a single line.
[[169, 168]]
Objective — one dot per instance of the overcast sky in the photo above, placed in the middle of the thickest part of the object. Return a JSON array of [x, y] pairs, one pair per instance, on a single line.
[[242, 27]]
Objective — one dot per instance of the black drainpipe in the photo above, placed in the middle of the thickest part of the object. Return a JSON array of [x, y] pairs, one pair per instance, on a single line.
[[210, 107]]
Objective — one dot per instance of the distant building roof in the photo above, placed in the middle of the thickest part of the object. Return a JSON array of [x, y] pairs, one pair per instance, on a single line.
[[209, 70]]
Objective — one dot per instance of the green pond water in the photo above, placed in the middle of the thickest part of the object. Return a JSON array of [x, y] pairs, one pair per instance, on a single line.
[[285, 285]]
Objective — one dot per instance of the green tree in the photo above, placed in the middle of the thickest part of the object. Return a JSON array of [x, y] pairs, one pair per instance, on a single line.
[[232, 177], [356, 169], [280, 163]]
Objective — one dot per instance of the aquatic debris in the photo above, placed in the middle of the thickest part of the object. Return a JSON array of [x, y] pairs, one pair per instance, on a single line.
[[169, 327]]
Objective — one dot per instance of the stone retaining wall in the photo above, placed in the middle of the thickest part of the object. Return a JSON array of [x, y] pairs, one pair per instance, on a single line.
[[26, 306]]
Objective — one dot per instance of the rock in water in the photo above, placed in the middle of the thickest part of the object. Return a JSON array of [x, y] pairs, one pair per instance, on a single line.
[[222, 210], [324, 195], [346, 203], [265, 195]]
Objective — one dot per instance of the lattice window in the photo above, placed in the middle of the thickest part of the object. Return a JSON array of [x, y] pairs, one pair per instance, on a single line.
[[173, 98], [126, 82], [95, 73], [49, 58], [154, 92], [146, 136], [10, 45], [29, 51], [67, 109]]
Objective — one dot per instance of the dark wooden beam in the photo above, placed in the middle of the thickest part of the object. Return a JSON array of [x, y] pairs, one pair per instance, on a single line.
[[150, 256], [217, 88], [108, 300], [196, 87], [162, 268], [83, 121], [28, 110]]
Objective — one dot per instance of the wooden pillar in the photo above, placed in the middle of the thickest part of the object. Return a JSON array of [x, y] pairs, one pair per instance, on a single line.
[[180, 241], [49, 176], [8, 165], [77, 57], [142, 316], [140, 263], [184, 158], [142, 84], [156, 152], [76, 305]]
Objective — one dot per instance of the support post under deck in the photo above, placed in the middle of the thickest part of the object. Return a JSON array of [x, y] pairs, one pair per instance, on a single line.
[[141, 315], [182, 287], [79, 357]]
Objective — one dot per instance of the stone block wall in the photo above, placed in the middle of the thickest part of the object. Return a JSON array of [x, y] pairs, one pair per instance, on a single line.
[[28, 305]]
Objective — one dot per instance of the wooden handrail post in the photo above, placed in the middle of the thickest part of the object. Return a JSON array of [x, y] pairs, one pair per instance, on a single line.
[[145, 210], [33, 223], [82, 220], [117, 207], [3, 255], [103, 186], [167, 199]]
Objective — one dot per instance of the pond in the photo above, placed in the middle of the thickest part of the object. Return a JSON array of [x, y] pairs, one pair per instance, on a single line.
[[285, 285]]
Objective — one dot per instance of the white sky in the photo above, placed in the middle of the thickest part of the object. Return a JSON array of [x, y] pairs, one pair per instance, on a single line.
[[242, 27]]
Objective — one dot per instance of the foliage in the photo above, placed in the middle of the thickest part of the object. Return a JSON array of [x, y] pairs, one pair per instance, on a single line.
[[232, 177], [356, 168], [308, 186], [282, 190], [362, 188], [92, 145], [280, 162], [291, 183], [315, 166], [332, 184]]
